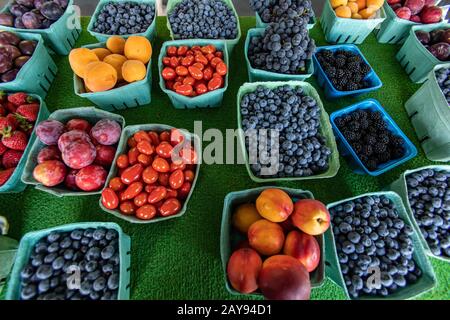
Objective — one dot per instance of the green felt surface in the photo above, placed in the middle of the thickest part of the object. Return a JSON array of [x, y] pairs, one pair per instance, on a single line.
[[180, 259]]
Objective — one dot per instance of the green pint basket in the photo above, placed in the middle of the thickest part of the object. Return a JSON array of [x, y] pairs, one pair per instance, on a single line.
[[425, 283], [231, 43], [37, 75], [211, 99], [429, 112], [150, 33], [325, 130], [30, 239], [415, 58], [61, 35], [8, 250], [343, 30], [262, 24], [230, 238]]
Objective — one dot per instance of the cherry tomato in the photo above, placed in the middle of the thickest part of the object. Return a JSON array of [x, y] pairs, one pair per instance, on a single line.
[[141, 136], [164, 136], [174, 62], [166, 61], [158, 194], [196, 48], [189, 53], [219, 54], [149, 188], [200, 58], [150, 175], [208, 73], [177, 166], [132, 174], [182, 71], [222, 69], [210, 56], [146, 212], [176, 137], [122, 161], [182, 50], [176, 85], [201, 88], [144, 159], [145, 147], [199, 66], [116, 184], [214, 62], [161, 165], [189, 155], [127, 208], [164, 150], [170, 207], [195, 73], [163, 179], [168, 73], [184, 89], [169, 85], [176, 179], [188, 61], [140, 199], [179, 79], [132, 191], [133, 154], [183, 192], [131, 142], [215, 83], [172, 193], [209, 49], [110, 200], [154, 137], [189, 175], [172, 51], [189, 81]]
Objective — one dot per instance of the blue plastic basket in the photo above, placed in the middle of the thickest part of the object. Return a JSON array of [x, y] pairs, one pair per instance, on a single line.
[[256, 75], [15, 184], [131, 95], [262, 24], [330, 91], [30, 239], [61, 35], [150, 33], [347, 150], [37, 75]]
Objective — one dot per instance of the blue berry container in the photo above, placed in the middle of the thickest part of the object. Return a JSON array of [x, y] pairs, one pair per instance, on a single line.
[[400, 187], [212, 99], [30, 239], [262, 24], [150, 33], [347, 150], [256, 75], [425, 283], [330, 91], [230, 238]]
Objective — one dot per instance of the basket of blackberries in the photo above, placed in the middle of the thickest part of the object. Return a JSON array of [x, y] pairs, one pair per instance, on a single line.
[[373, 251], [370, 138], [342, 70]]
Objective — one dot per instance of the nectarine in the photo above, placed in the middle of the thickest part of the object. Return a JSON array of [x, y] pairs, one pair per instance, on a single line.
[[266, 237], [311, 216], [244, 216], [243, 270], [275, 205], [304, 248]]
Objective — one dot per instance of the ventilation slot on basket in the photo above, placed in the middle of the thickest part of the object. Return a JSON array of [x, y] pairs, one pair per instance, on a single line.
[[327, 264], [424, 139], [412, 71], [137, 102], [339, 38], [414, 114], [348, 38]]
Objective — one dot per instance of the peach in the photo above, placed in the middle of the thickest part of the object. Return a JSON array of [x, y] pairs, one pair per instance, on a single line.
[[275, 205], [244, 216], [284, 278], [311, 216], [243, 270], [266, 237], [304, 248], [50, 173]]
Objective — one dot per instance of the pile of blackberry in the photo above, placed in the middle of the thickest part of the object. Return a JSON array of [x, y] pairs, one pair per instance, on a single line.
[[273, 10], [443, 79], [368, 134], [285, 47], [345, 69]]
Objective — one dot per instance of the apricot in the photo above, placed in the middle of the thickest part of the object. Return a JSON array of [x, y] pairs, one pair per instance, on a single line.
[[284, 278], [353, 7], [100, 76], [117, 61], [266, 237], [244, 216], [79, 59], [367, 13], [375, 4], [338, 3], [133, 70], [343, 12], [138, 48], [243, 269], [356, 16], [275, 205], [101, 53], [361, 4], [115, 44], [304, 248]]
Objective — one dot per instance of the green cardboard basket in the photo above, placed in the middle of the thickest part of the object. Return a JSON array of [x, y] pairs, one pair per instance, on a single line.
[[212, 99], [399, 186], [131, 95], [231, 43], [122, 148], [229, 238], [61, 35], [415, 58], [8, 250], [325, 130], [37, 75], [262, 24], [255, 75], [14, 184], [344, 30], [425, 283], [30, 239], [89, 113], [150, 33], [430, 116]]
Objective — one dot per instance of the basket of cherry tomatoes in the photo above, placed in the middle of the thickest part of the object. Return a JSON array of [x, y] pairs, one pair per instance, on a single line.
[[194, 74], [155, 174]]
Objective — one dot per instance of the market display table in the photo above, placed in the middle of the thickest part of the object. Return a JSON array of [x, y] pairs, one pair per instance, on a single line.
[[180, 258]]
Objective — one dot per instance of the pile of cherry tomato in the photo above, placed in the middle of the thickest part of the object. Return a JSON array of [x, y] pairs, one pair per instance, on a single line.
[[150, 181], [194, 71]]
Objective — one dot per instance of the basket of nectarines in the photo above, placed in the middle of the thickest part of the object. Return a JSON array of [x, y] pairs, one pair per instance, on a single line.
[[272, 242]]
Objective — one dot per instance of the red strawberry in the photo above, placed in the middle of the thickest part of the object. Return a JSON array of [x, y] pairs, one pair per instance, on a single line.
[[7, 124], [5, 175], [2, 148], [3, 111], [17, 140], [29, 111], [11, 158], [10, 107], [20, 98]]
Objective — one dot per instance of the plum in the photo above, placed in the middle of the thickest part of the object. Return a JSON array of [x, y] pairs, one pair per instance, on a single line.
[[27, 47], [72, 136], [21, 61], [79, 154], [49, 132], [50, 173], [62, 3], [48, 153], [432, 14], [403, 13], [423, 37], [13, 51], [6, 62], [415, 5], [46, 23], [78, 124], [105, 155], [31, 21], [51, 10], [6, 19], [70, 181], [38, 4], [436, 35], [18, 10], [7, 37], [26, 3], [91, 178], [445, 37], [106, 132], [10, 75], [18, 24], [441, 50]]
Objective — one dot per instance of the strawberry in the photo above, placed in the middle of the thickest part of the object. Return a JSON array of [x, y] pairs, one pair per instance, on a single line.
[[3, 111], [10, 107], [29, 111], [17, 140], [7, 123], [20, 98], [5, 175], [11, 158], [2, 148]]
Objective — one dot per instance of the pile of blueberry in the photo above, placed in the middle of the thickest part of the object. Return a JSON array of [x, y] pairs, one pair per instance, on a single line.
[[370, 234], [369, 136], [273, 10], [55, 258], [122, 18], [285, 47], [443, 79], [429, 198], [203, 19], [345, 69], [296, 117]]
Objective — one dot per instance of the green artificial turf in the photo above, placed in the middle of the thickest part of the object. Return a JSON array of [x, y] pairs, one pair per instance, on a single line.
[[180, 258]]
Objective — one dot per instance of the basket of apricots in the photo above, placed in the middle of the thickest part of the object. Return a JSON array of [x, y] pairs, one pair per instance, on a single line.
[[114, 75], [351, 21], [272, 242]]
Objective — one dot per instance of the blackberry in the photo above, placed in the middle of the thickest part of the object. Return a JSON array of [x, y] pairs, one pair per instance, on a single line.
[[357, 147], [350, 135], [398, 152], [365, 69], [364, 123], [353, 67], [384, 157], [397, 141], [367, 150], [380, 148], [354, 58], [370, 139], [375, 115], [351, 86], [383, 138], [328, 54], [371, 165], [340, 62], [340, 122], [380, 124]]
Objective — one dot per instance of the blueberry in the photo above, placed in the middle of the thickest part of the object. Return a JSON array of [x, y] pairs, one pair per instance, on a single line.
[[399, 280], [113, 281], [44, 272], [27, 272], [58, 263], [28, 292], [99, 284], [53, 247], [348, 247], [91, 266], [53, 236], [76, 234]]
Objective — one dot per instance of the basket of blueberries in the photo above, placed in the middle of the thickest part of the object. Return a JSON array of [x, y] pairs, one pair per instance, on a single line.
[[306, 147], [123, 18], [82, 261], [373, 251], [204, 19]]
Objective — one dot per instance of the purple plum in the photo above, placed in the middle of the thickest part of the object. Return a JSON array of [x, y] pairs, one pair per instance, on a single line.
[[7, 37], [20, 61], [26, 3], [62, 3], [13, 51], [51, 10], [31, 21], [10, 75], [18, 24], [18, 10], [441, 50], [6, 19], [38, 4], [27, 47], [423, 37], [5, 61]]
